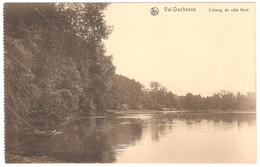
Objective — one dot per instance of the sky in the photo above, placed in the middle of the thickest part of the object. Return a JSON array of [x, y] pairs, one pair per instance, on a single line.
[[198, 52]]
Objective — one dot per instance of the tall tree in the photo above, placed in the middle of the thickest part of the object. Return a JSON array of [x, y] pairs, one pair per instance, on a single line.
[[55, 62]]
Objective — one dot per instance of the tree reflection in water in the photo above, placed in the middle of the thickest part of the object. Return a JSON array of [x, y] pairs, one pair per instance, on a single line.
[[92, 140], [162, 123], [86, 140]]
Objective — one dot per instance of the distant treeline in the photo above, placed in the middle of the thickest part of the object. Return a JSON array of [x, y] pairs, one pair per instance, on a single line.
[[223, 100], [128, 94], [55, 65]]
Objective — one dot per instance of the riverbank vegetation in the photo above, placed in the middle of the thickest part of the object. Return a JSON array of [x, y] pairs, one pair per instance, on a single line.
[[55, 62], [55, 66]]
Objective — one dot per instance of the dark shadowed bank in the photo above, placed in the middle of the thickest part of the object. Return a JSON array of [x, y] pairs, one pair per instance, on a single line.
[[55, 62]]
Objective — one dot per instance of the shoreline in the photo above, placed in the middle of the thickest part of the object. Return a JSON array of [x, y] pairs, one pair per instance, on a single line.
[[112, 112]]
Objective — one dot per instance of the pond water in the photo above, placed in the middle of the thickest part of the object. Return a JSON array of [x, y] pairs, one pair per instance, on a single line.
[[184, 137]]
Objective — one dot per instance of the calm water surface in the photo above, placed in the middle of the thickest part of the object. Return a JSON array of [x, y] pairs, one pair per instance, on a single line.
[[146, 138]]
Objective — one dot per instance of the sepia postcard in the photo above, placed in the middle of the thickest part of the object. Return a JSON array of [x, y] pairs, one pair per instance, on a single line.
[[129, 83]]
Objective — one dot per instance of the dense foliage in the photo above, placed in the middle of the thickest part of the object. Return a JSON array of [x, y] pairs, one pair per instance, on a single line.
[[55, 61], [128, 94], [125, 93], [223, 100]]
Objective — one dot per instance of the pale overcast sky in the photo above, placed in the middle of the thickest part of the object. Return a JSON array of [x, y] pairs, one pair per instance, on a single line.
[[198, 52]]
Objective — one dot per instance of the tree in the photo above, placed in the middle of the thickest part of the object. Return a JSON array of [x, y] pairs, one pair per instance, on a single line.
[[155, 86], [188, 101], [251, 100], [126, 92], [55, 62]]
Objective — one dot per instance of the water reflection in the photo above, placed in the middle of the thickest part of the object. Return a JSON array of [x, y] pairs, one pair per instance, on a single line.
[[112, 139], [196, 138], [160, 124], [85, 140]]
